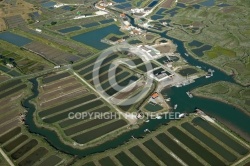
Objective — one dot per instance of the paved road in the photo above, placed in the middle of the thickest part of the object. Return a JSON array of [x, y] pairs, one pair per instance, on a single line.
[[131, 120], [6, 157]]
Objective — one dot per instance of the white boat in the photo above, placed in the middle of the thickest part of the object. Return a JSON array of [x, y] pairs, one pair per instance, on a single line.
[[210, 70], [168, 99], [198, 67], [181, 115], [178, 85], [186, 54], [189, 94], [147, 121], [208, 75], [175, 106]]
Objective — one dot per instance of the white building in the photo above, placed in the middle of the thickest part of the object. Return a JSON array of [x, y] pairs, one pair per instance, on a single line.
[[38, 30], [136, 10], [126, 23]]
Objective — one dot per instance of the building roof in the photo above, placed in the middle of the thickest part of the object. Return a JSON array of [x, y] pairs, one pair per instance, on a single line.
[[155, 95], [122, 15]]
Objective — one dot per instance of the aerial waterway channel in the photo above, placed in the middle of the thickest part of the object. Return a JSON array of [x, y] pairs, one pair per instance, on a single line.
[[233, 117]]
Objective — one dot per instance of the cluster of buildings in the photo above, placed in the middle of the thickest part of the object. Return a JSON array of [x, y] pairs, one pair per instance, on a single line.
[[125, 21], [141, 11], [97, 13], [127, 26], [135, 31], [136, 10], [143, 22], [150, 51], [161, 74], [58, 5]]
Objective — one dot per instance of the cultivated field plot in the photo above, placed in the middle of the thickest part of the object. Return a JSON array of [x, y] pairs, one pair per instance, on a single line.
[[109, 85], [123, 95], [106, 85], [70, 29], [145, 91], [3, 77], [56, 90], [76, 1], [14, 21], [49, 5], [82, 51], [62, 94], [19, 59], [84, 23], [194, 142], [50, 53], [56, 10], [122, 84], [14, 12], [167, 4], [136, 61], [46, 13], [26, 150], [143, 68], [165, 49], [16, 142], [10, 111]]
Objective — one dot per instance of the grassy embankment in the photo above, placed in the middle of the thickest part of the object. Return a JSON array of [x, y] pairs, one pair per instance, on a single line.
[[227, 92]]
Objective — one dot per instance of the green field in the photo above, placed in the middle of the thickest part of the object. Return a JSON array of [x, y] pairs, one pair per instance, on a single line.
[[216, 32], [221, 27]]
